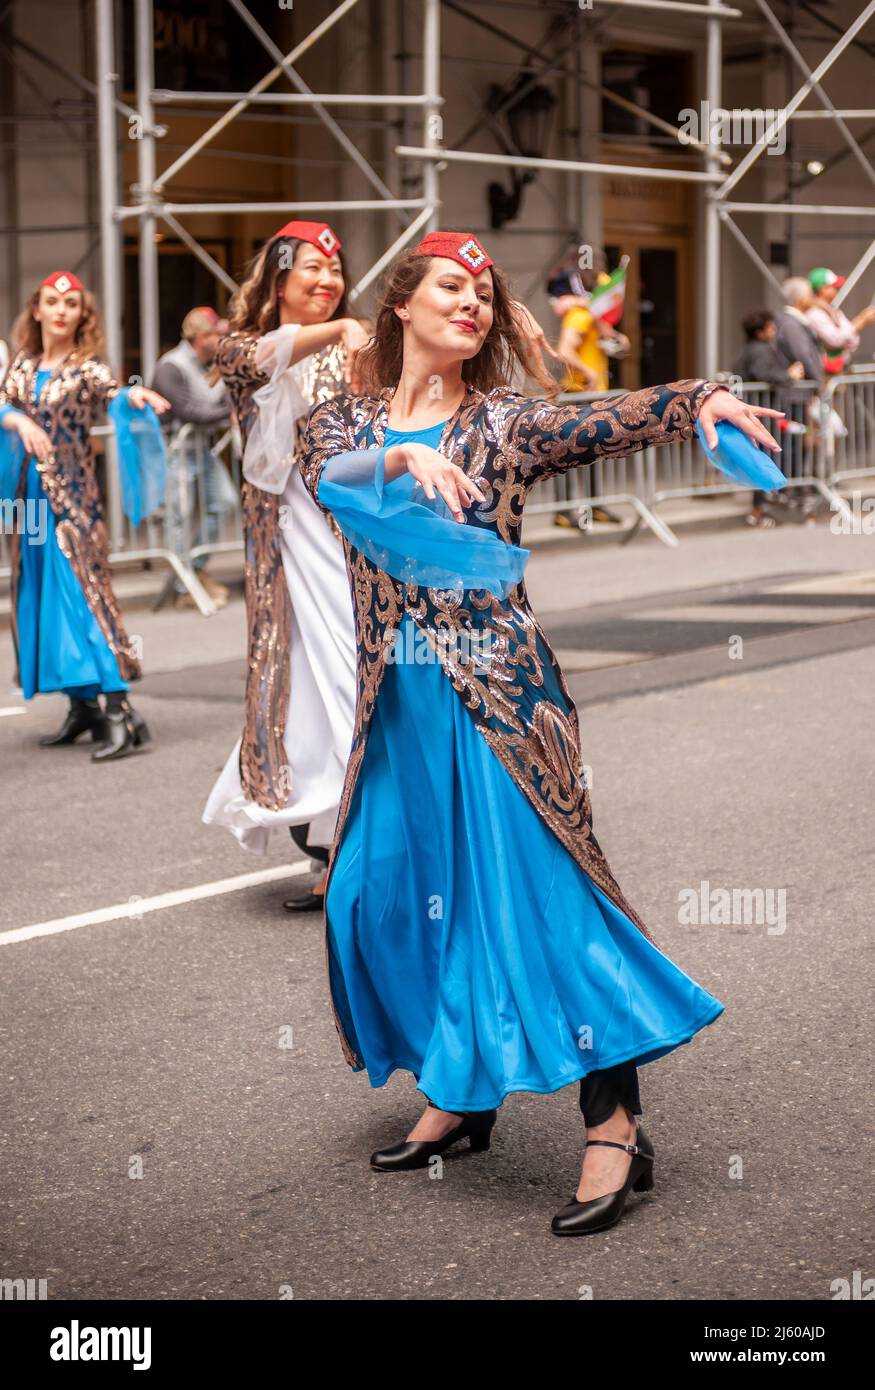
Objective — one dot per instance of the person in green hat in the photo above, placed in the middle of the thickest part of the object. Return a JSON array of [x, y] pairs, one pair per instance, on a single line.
[[837, 335]]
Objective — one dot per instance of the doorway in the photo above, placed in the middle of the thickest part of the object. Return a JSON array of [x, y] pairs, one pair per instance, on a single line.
[[658, 319]]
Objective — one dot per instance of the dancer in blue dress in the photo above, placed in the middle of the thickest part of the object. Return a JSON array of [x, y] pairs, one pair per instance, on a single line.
[[66, 625], [476, 936]]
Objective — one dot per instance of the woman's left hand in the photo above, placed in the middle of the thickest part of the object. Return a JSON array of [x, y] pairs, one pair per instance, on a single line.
[[536, 339], [140, 396], [722, 405]]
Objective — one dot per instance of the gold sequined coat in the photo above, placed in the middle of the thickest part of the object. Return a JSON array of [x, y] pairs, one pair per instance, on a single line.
[[268, 606], [520, 701], [68, 406]]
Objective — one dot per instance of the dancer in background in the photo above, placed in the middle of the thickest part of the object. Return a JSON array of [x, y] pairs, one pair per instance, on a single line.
[[66, 626], [292, 342], [476, 935], [292, 339]]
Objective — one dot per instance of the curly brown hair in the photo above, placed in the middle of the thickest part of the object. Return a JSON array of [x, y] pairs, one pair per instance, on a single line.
[[504, 346], [253, 308], [27, 334]]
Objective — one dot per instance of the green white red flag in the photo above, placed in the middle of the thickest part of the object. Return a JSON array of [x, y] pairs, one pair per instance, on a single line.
[[608, 300]]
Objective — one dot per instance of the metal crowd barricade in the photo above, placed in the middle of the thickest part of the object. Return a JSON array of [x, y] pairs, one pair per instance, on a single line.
[[201, 513], [681, 470], [178, 533], [830, 442], [846, 444]]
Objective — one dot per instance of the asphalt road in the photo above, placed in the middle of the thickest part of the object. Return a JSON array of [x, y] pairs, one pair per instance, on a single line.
[[159, 1141]]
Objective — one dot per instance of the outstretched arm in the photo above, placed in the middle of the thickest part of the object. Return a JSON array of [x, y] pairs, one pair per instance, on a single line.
[[551, 439]]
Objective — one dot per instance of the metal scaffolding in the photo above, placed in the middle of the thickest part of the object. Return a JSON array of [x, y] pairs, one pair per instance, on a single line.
[[151, 204]]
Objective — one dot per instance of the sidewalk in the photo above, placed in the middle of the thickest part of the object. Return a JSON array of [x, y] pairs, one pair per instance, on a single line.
[[137, 588]]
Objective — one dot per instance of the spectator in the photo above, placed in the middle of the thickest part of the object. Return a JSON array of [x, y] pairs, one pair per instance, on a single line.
[[760, 360], [581, 333], [195, 472], [838, 336], [586, 363], [795, 340]]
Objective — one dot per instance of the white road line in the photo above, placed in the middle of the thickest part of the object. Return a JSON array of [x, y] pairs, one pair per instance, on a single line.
[[13, 709], [135, 907]]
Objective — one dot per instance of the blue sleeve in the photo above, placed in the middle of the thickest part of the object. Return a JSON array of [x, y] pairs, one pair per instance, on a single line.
[[740, 459], [142, 457], [412, 538]]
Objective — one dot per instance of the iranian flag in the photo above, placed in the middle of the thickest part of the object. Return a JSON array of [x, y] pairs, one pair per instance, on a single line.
[[608, 299]]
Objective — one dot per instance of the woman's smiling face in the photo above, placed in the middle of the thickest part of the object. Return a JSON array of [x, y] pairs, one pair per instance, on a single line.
[[451, 310], [313, 287]]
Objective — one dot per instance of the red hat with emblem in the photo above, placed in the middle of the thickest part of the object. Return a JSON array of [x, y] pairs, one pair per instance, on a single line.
[[461, 247], [317, 233], [63, 280]]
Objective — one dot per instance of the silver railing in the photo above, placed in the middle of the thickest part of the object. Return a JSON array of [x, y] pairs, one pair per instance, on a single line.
[[827, 443], [827, 438], [200, 514]]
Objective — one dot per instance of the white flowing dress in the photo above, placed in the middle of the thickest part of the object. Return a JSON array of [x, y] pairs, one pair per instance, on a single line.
[[319, 723]]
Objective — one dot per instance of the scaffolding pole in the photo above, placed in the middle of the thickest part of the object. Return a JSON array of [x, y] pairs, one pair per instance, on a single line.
[[433, 134], [712, 246], [432, 155], [110, 233], [150, 340]]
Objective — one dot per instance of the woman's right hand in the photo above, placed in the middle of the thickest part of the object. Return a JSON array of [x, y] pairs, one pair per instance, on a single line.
[[434, 473], [353, 337], [34, 439]]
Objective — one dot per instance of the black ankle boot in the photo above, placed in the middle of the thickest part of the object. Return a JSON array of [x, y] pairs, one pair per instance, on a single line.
[[476, 1126], [142, 734], [126, 730], [119, 740], [83, 716]]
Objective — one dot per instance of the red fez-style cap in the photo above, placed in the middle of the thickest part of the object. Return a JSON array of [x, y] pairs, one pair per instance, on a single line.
[[461, 247], [317, 233], [63, 280]]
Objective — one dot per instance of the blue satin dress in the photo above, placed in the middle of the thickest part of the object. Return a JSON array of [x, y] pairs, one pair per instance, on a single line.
[[465, 944], [60, 644]]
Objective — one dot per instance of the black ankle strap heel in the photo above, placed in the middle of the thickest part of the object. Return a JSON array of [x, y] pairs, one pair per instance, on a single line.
[[476, 1126], [599, 1214]]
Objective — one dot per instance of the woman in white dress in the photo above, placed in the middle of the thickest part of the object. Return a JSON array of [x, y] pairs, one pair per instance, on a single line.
[[291, 344]]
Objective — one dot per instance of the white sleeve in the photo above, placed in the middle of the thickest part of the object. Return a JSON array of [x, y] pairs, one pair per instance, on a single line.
[[273, 351], [270, 448]]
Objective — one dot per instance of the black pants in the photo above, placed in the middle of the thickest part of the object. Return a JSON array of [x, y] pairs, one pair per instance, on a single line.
[[602, 1091], [299, 835]]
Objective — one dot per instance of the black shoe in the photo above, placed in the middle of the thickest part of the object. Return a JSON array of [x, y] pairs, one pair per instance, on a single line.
[[415, 1153], [119, 740], [83, 716], [305, 902], [599, 1214], [126, 730], [141, 731]]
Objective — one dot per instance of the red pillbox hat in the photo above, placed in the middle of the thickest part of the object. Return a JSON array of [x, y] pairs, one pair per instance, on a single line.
[[317, 233], [461, 247], [63, 280]]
